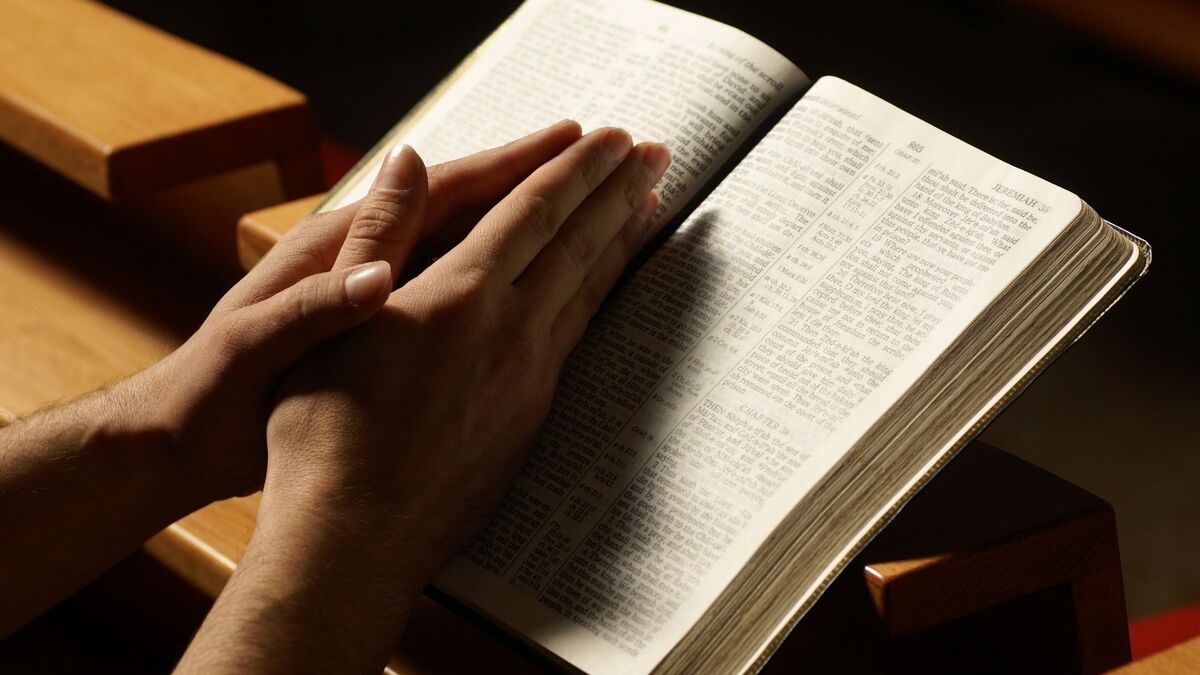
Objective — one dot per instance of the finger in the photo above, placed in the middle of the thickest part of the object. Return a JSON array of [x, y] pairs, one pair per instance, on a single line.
[[555, 276], [473, 183], [272, 335], [389, 219], [516, 229], [462, 191], [574, 318], [483, 178], [313, 242], [476, 181], [309, 247]]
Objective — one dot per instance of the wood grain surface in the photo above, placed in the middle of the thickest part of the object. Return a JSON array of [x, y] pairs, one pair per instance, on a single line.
[[84, 300], [258, 231], [122, 108]]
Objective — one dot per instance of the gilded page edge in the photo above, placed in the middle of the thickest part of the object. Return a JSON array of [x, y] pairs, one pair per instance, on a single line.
[[1133, 270]]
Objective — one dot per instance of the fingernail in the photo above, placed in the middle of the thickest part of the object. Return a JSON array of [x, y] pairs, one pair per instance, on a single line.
[[399, 170], [656, 158], [576, 129], [616, 144], [367, 282]]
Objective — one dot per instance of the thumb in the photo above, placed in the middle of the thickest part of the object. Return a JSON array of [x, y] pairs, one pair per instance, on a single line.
[[273, 334], [390, 218]]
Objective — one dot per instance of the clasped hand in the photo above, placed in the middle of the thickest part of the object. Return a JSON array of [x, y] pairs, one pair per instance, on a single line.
[[382, 420], [418, 417]]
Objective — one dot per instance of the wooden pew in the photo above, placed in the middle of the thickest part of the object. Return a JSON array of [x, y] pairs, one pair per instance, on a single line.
[[179, 137], [87, 298]]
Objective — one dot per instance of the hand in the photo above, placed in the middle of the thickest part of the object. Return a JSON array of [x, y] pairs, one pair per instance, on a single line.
[[212, 397], [408, 429], [85, 483], [391, 444]]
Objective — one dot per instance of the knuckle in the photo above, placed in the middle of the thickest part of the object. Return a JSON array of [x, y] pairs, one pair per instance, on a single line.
[[441, 182], [305, 256], [634, 192], [309, 228], [458, 306], [305, 223], [378, 220], [231, 341], [580, 247], [537, 212], [594, 168], [475, 273], [470, 295], [631, 238], [522, 352], [310, 300], [591, 296]]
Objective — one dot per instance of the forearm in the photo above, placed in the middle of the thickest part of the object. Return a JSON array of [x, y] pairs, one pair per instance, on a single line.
[[81, 486], [317, 590]]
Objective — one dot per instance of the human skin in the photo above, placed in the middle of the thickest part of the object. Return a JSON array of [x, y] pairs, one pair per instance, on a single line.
[[392, 445], [404, 430]]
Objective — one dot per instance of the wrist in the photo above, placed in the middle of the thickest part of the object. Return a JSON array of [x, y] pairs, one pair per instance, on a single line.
[[314, 591], [81, 486], [176, 402], [372, 528], [99, 446], [361, 555], [133, 433]]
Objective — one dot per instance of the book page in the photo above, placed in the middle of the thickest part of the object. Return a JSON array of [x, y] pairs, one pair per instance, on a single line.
[[788, 313], [663, 74]]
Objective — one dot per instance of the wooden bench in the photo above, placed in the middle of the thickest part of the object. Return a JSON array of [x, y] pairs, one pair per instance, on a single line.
[[181, 138], [992, 547]]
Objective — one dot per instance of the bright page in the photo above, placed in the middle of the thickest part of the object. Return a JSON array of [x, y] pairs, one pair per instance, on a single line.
[[789, 311], [664, 74]]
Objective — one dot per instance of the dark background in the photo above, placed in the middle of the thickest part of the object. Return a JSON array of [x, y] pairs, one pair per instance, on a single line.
[[1114, 415]]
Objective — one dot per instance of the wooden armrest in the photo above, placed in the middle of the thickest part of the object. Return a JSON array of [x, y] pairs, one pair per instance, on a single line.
[[990, 529], [181, 138], [122, 108], [996, 562], [991, 514], [258, 231]]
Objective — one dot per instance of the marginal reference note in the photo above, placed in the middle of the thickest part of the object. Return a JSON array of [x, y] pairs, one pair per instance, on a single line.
[[844, 253]]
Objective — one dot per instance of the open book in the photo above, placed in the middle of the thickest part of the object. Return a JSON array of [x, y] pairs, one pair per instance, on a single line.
[[836, 313]]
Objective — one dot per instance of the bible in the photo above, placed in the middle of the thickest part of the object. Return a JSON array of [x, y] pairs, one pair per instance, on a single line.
[[844, 296]]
